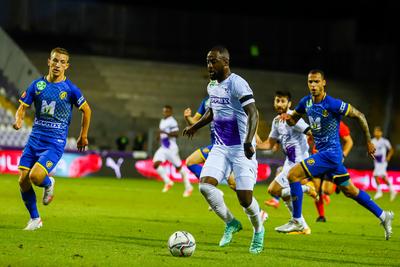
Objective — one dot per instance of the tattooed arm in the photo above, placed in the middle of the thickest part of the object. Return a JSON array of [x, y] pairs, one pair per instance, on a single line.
[[355, 113]]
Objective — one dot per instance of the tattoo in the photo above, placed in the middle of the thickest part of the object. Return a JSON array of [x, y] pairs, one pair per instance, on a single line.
[[355, 113]]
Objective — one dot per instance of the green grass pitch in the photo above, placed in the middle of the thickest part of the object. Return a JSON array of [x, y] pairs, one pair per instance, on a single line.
[[127, 222]]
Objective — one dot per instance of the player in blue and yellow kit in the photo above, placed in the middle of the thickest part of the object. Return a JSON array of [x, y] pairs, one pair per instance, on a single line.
[[324, 113], [53, 97]]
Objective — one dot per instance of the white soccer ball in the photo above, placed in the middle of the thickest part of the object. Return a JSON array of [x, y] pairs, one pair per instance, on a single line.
[[181, 244]]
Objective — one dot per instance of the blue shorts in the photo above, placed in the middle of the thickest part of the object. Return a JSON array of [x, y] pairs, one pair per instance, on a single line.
[[329, 163], [43, 151], [204, 151]]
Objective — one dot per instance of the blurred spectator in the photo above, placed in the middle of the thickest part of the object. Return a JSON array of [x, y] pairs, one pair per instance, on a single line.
[[122, 142]]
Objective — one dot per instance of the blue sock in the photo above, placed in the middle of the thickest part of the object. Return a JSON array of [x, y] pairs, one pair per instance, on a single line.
[[29, 199], [276, 198], [297, 198], [365, 200], [196, 169], [46, 182]]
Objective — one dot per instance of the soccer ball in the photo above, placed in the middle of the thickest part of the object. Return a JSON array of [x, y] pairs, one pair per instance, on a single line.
[[181, 244]]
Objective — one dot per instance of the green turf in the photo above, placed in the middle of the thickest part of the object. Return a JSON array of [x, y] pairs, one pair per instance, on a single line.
[[127, 222]]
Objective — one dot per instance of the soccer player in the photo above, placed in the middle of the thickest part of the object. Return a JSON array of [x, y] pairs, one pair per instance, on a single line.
[[235, 117], [294, 144], [325, 185], [324, 113], [195, 160], [383, 154], [169, 151], [53, 96]]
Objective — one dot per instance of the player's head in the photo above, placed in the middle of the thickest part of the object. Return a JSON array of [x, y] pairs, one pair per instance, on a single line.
[[378, 133], [167, 111], [218, 63], [282, 101], [316, 82], [58, 62]]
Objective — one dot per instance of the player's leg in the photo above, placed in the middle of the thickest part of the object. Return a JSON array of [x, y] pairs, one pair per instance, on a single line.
[[245, 172], [392, 191], [194, 161], [47, 161], [342, 180], [274, 201], [175, 159], [29, 197], [214, 170], [319, 203], [379, 193], [159, 157]]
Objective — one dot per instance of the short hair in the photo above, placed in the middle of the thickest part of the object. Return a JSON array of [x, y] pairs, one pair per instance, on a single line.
[[222, 50], [379, 128], [286, 94], [59, 50], [315, 71], [168, 107]]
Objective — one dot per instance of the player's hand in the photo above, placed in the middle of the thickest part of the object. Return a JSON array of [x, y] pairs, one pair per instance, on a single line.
[[285, 117], [248, 150], [82, 143], [189, 131], [371, 149], [187, 112], [17, 125]]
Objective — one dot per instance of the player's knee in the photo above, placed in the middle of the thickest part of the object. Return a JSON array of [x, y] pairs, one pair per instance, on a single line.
[[23, 181], [35, 178], [206, 188], [349, 191], [272, 191], [245, 202]]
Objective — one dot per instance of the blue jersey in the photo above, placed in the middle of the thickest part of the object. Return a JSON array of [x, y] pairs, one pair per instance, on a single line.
[[53, 104], [324, 118], [204, 106]]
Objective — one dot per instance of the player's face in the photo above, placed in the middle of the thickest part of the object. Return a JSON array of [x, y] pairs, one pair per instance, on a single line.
[[316, 84], [58, 64], [215, 65], [166, 112], [281, 104], [378, 133]]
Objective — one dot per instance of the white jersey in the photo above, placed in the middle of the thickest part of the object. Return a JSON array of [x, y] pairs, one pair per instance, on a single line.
[[382, 146], [168, 125], [227, 100], [292, 138]]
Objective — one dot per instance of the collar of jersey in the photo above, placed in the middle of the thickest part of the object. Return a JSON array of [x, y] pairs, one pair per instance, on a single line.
[[321, 99], [44, 78]]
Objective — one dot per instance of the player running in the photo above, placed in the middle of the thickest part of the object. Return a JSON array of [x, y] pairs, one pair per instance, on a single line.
[[324, 113], [169, 151], [53, 96], [294, 144], [235, 118]]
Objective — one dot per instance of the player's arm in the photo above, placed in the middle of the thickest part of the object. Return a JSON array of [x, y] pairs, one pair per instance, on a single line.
[[82, 141], [190, 120], [390, 154], [252, 119], [355, 113], [19, 116], [347, 145], [173, 134], [269, 144], [291, 119], [203, 121]]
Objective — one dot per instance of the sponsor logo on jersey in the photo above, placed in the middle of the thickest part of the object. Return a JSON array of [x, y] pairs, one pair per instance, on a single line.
[[219, 100], [310, 162], [40, 85], [63, 95], [309, 103], [49, 164], [325, 113]]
